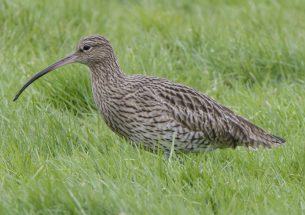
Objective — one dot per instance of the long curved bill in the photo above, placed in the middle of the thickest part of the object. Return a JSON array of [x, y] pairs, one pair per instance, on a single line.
[[67, 60]]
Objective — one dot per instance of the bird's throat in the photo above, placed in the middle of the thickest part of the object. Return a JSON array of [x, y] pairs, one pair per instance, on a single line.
[[106, 80], [106, 72]]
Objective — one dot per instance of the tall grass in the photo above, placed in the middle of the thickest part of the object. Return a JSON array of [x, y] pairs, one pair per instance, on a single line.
[[58, 157]]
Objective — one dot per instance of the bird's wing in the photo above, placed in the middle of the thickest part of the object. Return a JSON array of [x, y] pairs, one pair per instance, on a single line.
[[198, 112]]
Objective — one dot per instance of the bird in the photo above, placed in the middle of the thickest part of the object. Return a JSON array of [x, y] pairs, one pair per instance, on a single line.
[[157, 113]]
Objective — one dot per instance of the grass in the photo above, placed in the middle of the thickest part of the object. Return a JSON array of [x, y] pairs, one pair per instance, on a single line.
[[58, 157]]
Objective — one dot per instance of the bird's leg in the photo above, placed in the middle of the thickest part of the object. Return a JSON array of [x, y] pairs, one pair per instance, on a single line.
[[167, 154], [170, 152]]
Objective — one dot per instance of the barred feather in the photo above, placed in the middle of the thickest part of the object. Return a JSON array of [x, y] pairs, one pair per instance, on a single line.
[[154, 111]]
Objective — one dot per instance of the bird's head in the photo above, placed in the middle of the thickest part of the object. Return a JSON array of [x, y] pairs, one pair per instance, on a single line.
[[90, 51], [93, 50]]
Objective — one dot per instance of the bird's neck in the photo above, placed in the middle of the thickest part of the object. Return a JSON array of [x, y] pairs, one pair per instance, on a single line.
[[106, 73], [106, 79]]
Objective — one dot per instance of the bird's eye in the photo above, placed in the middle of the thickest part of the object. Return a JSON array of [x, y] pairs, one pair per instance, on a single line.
[[86, 47]]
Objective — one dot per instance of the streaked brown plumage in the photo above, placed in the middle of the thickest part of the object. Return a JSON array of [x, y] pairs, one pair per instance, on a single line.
[[158, 112]]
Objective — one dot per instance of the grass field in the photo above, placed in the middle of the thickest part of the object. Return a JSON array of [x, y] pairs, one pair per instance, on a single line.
[[58, 157]]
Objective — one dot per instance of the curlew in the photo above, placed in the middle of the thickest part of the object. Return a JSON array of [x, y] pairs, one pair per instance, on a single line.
[[158, 113]]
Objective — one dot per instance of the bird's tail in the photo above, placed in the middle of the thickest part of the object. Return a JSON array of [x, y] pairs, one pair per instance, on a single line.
[[256, 137], [263, 139]]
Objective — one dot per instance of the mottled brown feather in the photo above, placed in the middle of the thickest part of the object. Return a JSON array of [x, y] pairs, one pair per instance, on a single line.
[[152, 111]]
